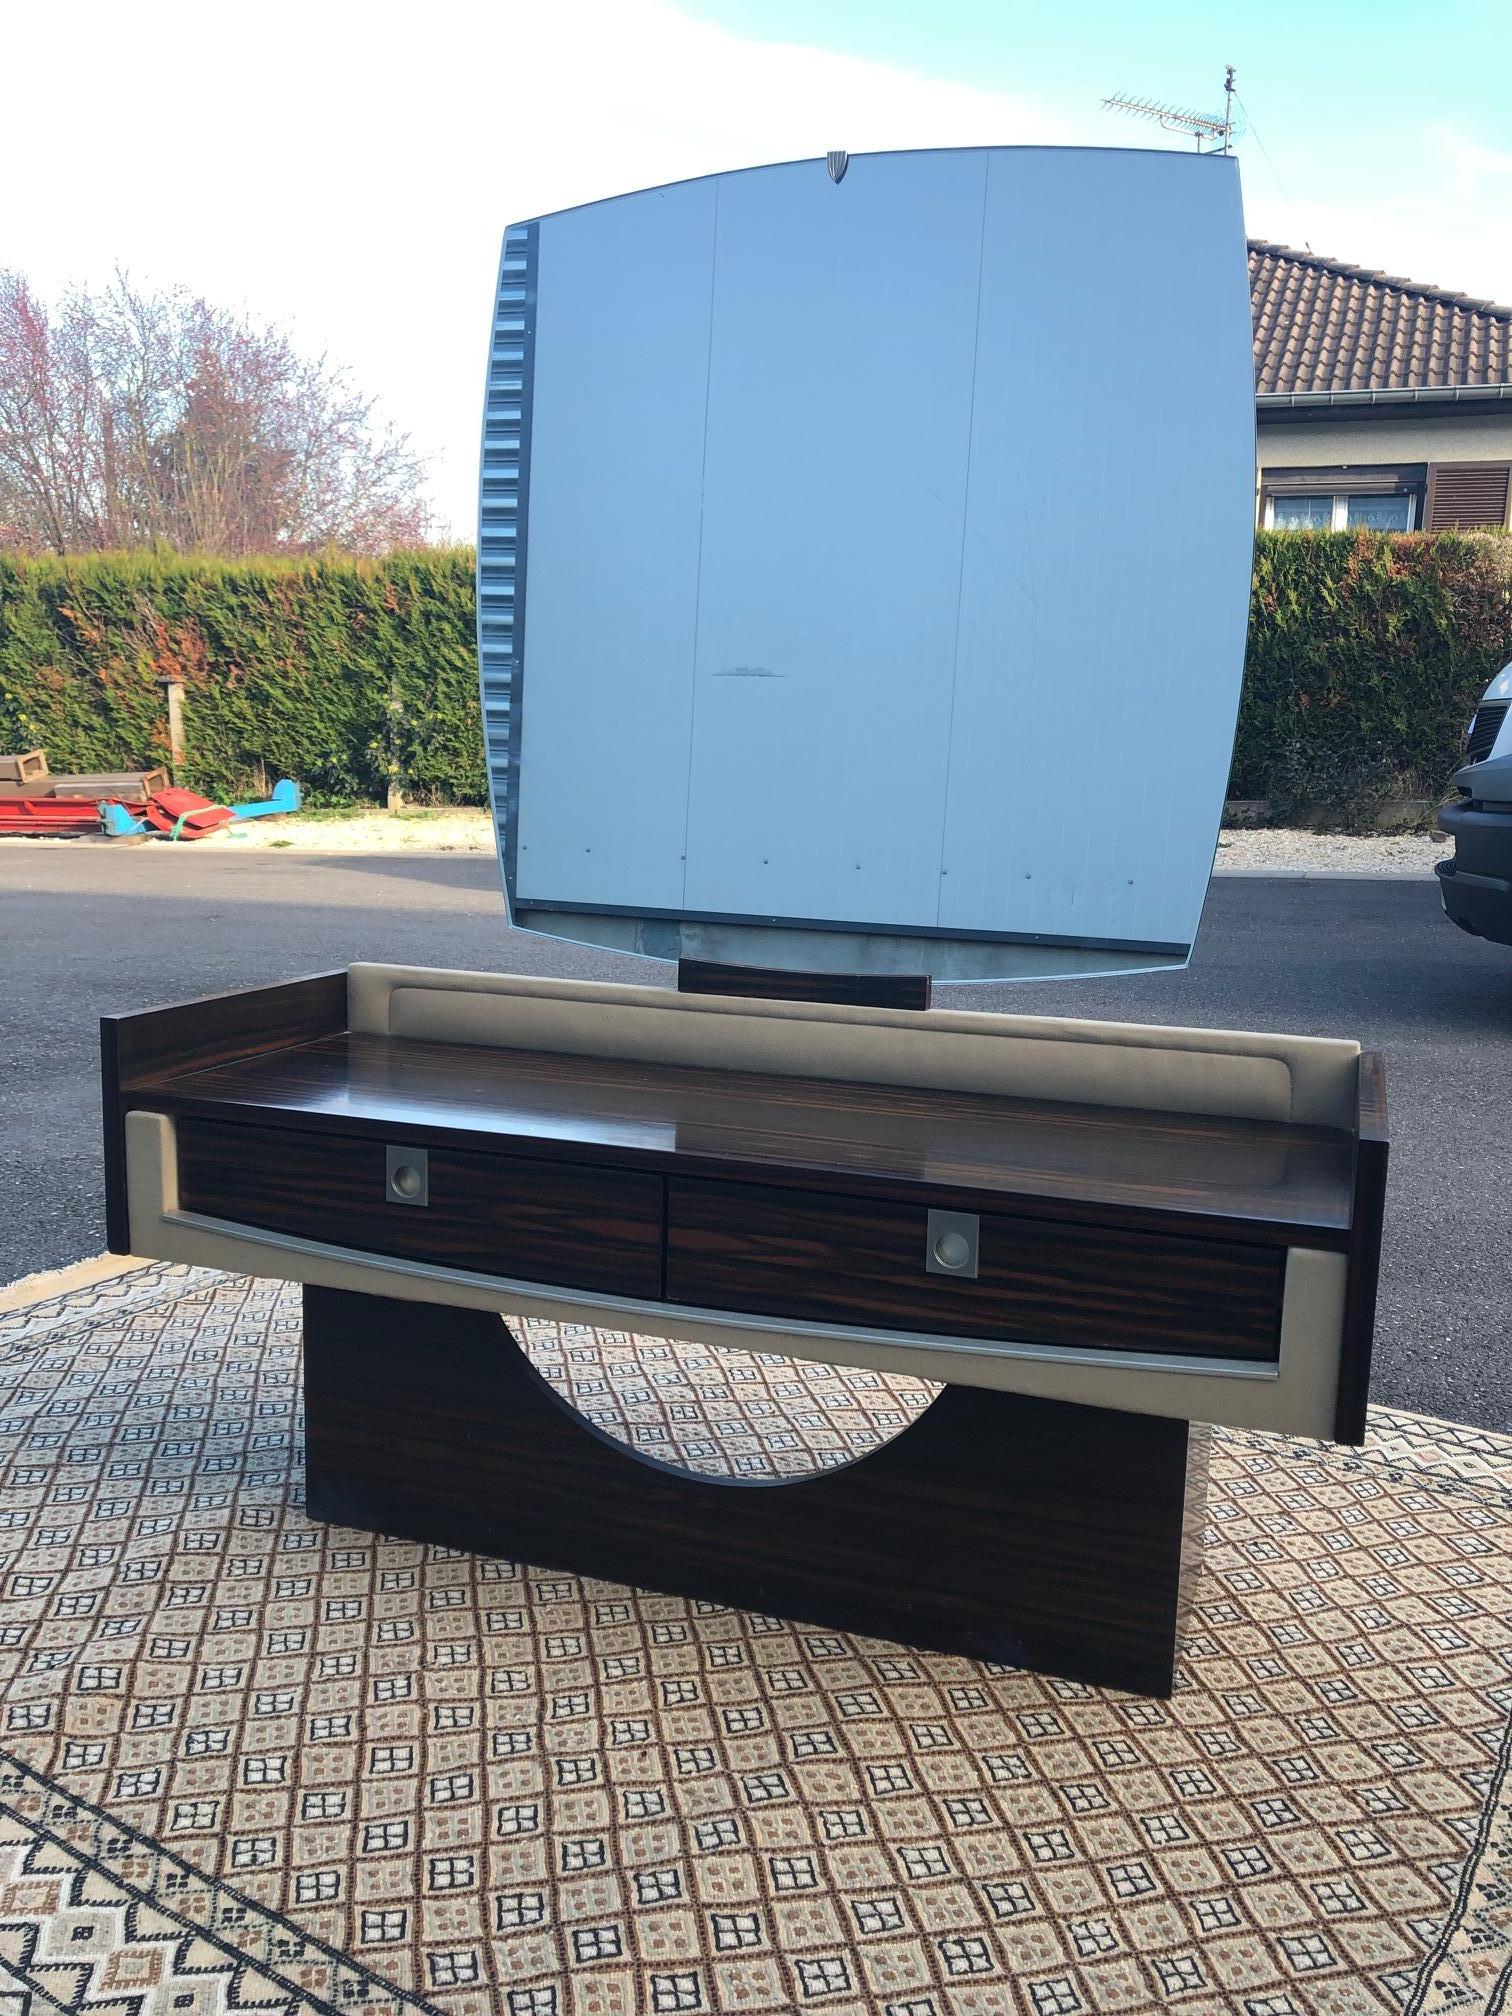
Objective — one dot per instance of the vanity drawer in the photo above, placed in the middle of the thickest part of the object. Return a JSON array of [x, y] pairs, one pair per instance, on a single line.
[[491, 1214], [840, 1260]]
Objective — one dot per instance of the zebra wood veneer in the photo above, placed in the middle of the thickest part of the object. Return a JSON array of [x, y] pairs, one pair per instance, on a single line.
[[1068, 1557], [1195, 1237]]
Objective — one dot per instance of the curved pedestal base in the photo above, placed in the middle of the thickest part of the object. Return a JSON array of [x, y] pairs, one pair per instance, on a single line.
[[1024, 1531]]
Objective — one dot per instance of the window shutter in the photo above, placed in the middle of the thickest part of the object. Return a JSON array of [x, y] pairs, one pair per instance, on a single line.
[[1466, 494], [1379, 479]]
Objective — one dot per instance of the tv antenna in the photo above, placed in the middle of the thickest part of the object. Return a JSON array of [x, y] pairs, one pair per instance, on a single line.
[[1218, 132]]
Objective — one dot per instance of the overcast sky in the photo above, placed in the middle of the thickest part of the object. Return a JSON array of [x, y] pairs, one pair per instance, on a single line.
[[347, 170]]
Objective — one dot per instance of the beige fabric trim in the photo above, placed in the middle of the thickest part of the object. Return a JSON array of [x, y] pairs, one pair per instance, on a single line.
[[1298, 1398], [1309, 1080], [64, 1280]]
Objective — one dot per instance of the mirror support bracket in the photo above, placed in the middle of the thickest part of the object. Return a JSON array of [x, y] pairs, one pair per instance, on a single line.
[[766, 983]]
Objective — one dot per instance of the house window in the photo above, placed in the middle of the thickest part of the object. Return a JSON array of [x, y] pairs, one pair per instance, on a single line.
[[1300, 514], [1378, 514], [1386, 499], [1340, 511]]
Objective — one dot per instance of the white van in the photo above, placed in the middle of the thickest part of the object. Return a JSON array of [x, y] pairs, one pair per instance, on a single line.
[[1476, 884]]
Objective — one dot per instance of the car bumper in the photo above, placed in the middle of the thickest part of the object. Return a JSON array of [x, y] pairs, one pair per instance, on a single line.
[[1476, 885]]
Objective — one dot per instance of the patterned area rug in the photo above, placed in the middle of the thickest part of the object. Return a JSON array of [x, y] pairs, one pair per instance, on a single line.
[[256, 1763]]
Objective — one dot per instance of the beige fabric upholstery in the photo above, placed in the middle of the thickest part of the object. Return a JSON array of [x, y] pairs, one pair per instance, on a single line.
[[1308, 1080]]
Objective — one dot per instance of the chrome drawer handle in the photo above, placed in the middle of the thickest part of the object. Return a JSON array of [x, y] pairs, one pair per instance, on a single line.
[[406, 1176], [951, 1241]]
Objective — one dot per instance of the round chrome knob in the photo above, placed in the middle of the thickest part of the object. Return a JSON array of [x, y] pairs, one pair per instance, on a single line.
[[405, 1180], [952, 1249]]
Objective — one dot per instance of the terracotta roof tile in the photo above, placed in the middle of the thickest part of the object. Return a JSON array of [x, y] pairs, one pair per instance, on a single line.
[[1322, 326]]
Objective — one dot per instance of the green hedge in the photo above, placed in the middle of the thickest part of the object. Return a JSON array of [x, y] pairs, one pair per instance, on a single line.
[[1367, 654], [345, 674]]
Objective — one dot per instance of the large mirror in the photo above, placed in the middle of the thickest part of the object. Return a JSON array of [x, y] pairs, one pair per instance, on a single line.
[[864, 561]]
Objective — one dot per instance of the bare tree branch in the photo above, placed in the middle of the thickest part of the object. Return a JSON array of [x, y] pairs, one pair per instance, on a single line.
[[129, 418]]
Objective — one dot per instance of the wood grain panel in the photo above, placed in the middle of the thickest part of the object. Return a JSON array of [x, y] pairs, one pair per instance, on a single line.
[[188, 1035], [1208, 1176], [113, 1140], [1000, 1527], [832, 1260], [1372, 1155], [497, 1214], [766, 983]]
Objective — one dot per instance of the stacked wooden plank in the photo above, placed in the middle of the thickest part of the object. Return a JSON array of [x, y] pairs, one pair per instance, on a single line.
[[26, 776], [34, 802]]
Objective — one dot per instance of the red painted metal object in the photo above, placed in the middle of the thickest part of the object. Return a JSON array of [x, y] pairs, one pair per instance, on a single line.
[[179, 814], [59, 816], [184, 815]]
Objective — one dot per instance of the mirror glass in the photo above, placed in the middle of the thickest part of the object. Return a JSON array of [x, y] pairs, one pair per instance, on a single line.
[[864, 563]]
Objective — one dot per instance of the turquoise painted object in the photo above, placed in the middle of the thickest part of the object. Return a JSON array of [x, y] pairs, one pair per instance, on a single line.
[[287, 797]]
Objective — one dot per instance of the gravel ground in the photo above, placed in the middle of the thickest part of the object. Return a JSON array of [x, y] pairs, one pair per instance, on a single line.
[[467, 830], [461, 829], [1282, 850], [456, 830]]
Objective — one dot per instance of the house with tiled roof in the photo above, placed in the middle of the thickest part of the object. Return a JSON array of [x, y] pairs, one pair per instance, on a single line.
[[1378, 401]]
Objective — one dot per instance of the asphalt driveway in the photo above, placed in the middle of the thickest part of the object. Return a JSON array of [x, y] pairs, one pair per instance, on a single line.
[[86, 930]]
